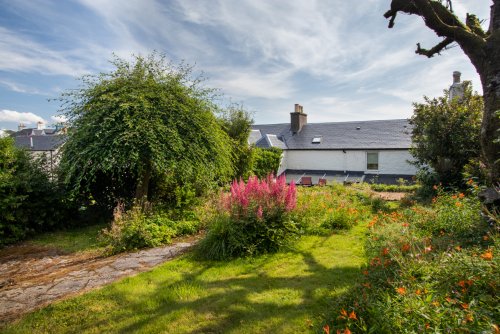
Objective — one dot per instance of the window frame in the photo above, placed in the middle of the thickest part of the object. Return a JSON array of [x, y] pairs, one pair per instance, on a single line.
[[372, 166]]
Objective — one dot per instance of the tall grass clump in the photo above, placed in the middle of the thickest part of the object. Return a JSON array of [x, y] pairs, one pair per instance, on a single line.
[[253, 218], [432, 269]]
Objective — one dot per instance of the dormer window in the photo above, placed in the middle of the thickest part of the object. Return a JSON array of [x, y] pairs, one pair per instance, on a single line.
[[316, 140]]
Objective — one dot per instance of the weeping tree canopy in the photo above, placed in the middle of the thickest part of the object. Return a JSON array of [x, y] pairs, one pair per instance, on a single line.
[[144, 124], [481, 47]]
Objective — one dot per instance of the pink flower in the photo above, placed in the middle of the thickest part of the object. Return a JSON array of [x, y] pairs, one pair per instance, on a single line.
[[259, 212]]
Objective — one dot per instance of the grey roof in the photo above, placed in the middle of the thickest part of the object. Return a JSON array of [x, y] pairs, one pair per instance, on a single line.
[[40, 143], [254, 137], [381, 134]]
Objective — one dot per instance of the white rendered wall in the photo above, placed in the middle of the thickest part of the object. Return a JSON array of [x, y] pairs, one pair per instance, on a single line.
[[390, 162]]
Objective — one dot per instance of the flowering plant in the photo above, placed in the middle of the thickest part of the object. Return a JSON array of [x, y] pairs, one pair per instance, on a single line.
[[254, 219]]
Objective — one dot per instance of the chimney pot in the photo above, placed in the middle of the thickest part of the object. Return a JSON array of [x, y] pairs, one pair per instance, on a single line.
[[39, 125], [456, 76], [297, 119]]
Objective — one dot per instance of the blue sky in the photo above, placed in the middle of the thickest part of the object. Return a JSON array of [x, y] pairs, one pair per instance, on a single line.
[[337, 58]]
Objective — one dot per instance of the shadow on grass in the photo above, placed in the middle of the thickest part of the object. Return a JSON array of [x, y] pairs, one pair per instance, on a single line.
[[281, 293]]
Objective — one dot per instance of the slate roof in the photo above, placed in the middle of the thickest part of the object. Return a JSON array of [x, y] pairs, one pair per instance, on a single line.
[[40, 143], [357, 135]]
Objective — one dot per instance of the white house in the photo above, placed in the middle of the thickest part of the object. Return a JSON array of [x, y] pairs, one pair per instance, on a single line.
[[40, 142], [341, 151]]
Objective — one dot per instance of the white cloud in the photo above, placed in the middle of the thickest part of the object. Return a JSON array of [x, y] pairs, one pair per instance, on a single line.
[[21, 54], [19, 117], [59, 118], [19, 88]]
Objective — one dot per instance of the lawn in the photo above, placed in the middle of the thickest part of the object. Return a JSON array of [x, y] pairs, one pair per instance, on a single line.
[[71, 241], [288, 292]]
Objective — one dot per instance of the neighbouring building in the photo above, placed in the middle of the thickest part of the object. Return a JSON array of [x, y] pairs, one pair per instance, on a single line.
[[359, 151], [41, 141]]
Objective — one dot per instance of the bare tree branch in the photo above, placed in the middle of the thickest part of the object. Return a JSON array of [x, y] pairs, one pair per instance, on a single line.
[[435, 50]]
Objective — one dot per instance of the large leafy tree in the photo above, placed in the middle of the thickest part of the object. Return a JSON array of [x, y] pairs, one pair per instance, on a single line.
[[445, 134], [481, 47], [145, 123]]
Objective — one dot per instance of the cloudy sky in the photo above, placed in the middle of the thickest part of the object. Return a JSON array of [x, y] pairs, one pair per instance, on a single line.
[[337, 58]]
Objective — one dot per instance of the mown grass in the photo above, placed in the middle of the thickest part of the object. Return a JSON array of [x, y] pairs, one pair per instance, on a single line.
[[286, 292], [72, 240]]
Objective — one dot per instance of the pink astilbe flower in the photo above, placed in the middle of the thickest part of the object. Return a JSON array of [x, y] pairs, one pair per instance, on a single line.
[[267, 197], [291, 197], [259, 212]]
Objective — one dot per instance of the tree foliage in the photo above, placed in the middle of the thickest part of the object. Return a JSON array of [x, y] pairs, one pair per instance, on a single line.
[[266, 161], [29, 201], [145, 123], [237, 123], [445, 134], [480, 46]]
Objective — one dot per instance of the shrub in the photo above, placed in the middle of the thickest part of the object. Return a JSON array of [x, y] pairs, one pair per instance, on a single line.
[[254, 219], [427, 272], [30, 201], [139, 228], [266, 161]]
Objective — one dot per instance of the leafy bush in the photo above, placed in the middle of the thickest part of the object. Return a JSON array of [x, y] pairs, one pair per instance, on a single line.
[[139, 228], [266, 161], [29, 201], [427, 272], [254, 219]]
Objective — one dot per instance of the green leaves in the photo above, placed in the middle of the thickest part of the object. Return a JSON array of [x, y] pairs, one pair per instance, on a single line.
[[446, 134], [145, 114]]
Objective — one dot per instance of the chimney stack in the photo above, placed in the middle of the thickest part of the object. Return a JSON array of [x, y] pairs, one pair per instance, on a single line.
[[20, 126], [297, 118], [457, 87], [39, 125]]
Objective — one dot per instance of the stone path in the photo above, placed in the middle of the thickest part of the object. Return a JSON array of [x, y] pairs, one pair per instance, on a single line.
[[38, 277]]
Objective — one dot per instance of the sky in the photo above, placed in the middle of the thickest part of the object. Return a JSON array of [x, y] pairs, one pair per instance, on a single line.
[[336, 58]]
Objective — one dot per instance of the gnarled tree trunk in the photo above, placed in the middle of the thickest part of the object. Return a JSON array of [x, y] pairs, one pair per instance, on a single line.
[[483, 50]]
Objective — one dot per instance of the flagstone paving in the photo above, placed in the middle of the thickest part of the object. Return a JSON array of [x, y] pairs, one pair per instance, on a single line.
[[33, 277]]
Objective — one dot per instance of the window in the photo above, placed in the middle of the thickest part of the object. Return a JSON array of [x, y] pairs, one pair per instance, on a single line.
[[372, 160], [316, 140]]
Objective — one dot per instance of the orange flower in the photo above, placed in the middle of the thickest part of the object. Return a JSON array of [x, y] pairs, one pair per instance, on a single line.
[[343, 313], [365, 272], [458, 248], [486, 237], [367, 285], [353, 316], [461, 283], [326, 329], [385, 251], [488, 255], [461, 195], [454, 196], [469, 318], [471, 181], [427, 325], [434, 200], [401, 290], [427, 249], [347, 331], [434, 187], [405, 247], [405, 224], [464, 306], [418, 292], [458, 204]]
